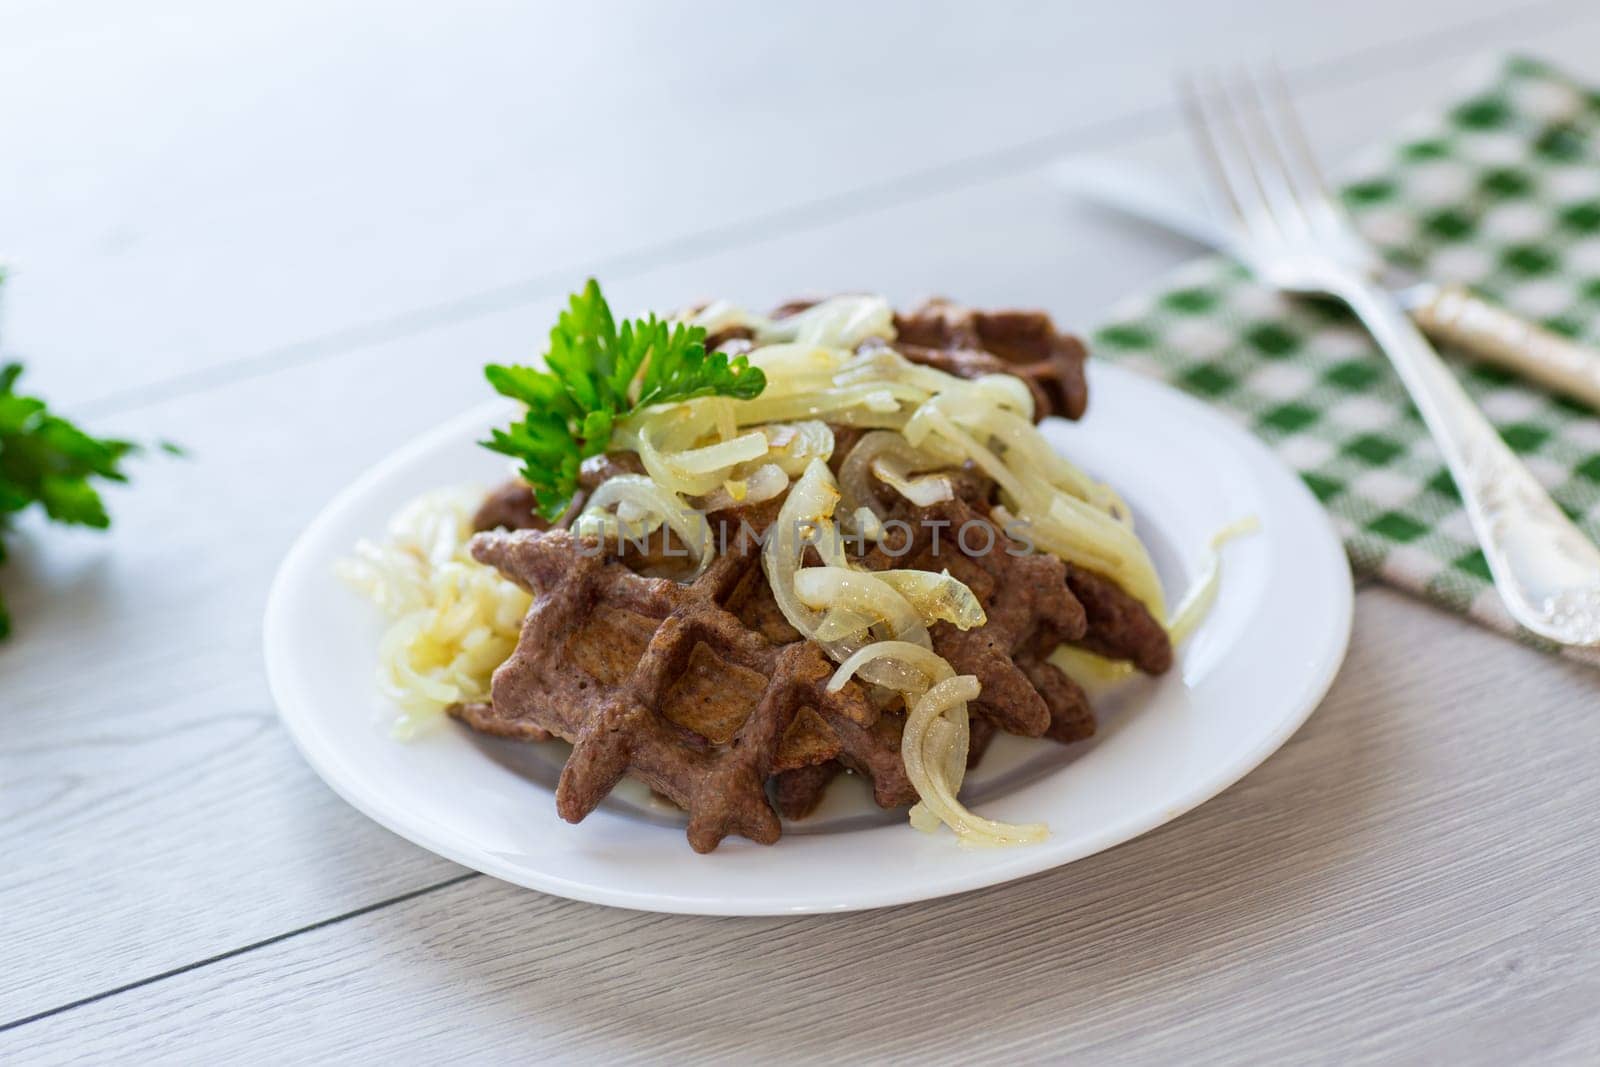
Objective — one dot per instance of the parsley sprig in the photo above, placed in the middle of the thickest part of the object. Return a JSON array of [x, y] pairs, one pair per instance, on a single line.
[[46, 460], [598, 374]]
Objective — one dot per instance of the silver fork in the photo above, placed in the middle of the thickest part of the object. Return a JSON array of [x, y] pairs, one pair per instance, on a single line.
[[1292, 235]]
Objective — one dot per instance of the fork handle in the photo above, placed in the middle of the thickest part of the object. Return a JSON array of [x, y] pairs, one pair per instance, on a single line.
[[1546, 571], [1457, 316]]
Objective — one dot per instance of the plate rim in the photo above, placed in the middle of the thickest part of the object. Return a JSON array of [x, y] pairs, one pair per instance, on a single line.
[[1022, 862]]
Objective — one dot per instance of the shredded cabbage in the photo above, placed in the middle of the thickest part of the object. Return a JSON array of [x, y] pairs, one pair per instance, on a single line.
[[453, 620]]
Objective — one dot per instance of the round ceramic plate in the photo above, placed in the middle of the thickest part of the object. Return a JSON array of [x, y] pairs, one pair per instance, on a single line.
[[1242, 684]]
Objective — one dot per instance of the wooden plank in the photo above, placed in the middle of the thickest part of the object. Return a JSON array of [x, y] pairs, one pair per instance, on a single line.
[[163, 814], [189, 183], [163, 817], [1413, 877]]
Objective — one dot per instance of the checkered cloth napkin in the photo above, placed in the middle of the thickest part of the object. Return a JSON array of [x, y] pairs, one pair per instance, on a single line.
[[1502, 193]]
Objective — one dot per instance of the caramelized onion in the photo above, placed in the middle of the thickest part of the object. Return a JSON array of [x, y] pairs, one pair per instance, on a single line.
[[864, 593], [661, 505], [929, 768], [1196, 604]]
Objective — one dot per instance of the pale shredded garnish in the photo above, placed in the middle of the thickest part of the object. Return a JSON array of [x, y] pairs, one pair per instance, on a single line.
[[453, 620]]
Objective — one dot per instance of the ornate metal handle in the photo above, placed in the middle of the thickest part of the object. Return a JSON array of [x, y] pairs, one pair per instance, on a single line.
[[1546, 571], [1459, 317]]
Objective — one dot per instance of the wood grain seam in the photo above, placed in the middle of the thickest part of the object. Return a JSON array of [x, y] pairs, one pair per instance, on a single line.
[[321, 924], [1445, 45]]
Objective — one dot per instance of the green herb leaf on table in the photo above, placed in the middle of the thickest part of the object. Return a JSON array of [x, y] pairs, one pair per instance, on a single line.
[[597, 374], [47, 460]]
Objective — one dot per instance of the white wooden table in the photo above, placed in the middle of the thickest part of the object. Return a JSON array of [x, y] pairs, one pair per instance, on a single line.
[[289, 234]]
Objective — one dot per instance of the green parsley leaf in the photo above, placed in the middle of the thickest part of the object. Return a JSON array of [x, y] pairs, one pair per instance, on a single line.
[[597, 374], [47, 460]]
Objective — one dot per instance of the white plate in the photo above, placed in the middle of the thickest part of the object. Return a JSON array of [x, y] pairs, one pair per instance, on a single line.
[[1241, 686]]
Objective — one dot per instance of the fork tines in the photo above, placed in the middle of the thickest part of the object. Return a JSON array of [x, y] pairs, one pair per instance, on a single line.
[[1257, 155]]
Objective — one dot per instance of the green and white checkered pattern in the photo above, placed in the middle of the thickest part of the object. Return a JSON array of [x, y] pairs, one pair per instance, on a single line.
[[1501, 193]]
